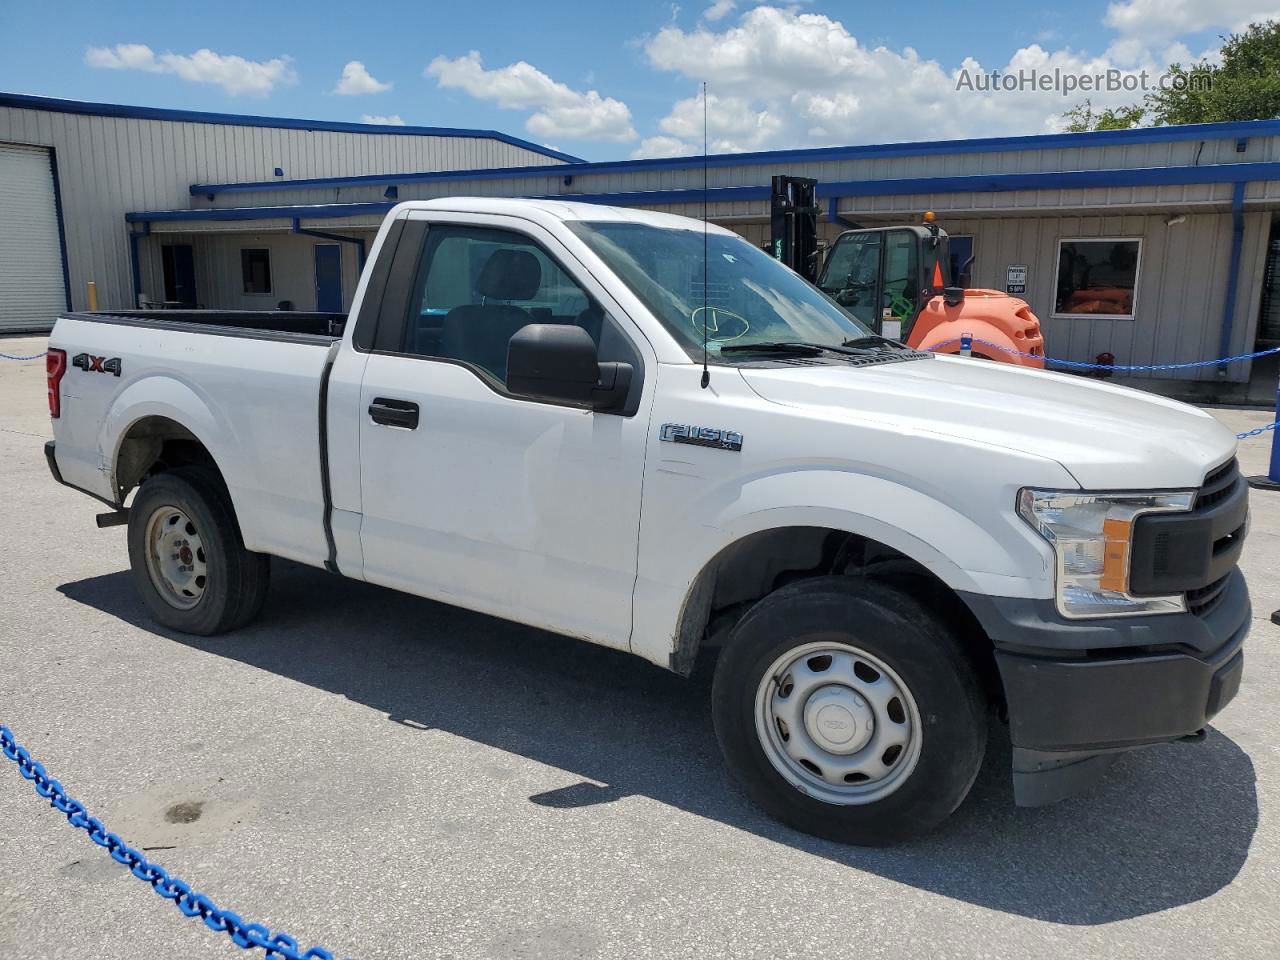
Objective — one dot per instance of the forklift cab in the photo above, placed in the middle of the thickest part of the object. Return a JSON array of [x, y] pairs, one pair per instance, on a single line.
[[884, 276]]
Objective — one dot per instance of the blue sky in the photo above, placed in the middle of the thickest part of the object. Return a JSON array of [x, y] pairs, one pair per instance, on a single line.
[[611, 80]]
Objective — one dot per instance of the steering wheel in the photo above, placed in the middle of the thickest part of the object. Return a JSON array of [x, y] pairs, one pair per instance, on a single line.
[[737, 325]]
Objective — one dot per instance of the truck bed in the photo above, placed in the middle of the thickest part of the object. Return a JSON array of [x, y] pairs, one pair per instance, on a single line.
[[286, 325], [246, 384]]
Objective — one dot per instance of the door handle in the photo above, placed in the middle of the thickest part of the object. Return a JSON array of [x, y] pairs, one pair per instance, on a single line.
[[394, 413]]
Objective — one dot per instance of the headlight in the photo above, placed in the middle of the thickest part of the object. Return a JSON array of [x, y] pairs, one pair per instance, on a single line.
[[1092, 535]]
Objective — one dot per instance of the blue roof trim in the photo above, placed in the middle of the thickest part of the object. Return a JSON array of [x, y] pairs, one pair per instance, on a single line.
[[315, 211], [983, 183], [1200, 131], [1238, 173], [26, 102]]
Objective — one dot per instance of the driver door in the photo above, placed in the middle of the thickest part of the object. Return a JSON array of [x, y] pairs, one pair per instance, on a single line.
[[473, 496]]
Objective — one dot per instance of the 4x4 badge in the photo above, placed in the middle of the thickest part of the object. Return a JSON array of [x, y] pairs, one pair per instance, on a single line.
[[701, 436]]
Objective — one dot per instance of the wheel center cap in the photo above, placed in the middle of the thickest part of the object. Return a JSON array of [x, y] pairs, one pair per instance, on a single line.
[[185, 556], [838, 720]]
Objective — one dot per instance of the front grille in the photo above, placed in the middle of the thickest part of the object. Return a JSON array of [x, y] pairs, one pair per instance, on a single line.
[[1193, 553], [1217, 485], [1203, 599]]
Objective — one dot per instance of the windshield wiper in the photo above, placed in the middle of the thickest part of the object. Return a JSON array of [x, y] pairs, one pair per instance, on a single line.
[[795, 348]]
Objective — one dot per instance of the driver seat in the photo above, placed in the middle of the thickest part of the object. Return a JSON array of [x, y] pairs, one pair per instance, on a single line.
[[478, 333]]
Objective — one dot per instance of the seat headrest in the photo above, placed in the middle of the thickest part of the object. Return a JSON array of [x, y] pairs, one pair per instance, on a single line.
[[510, 275]]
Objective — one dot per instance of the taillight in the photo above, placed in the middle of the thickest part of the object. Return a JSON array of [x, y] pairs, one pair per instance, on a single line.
[[55, 365]]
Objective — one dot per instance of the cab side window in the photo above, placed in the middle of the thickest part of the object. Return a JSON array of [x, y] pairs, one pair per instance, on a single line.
[[476, 287]]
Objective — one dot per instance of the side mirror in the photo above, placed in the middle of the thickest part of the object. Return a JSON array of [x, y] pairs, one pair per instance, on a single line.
[[558, 361]]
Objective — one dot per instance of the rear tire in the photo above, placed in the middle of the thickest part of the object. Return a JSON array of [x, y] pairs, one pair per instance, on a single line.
[[189, 562], [847, 710]]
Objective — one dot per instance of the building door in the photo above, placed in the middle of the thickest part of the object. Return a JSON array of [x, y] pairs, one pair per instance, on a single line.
[[33, 288], [179, 274], [328, 277], [1269, 319]]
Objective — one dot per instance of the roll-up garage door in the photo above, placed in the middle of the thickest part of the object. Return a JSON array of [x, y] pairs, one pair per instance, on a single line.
[[32, 293]]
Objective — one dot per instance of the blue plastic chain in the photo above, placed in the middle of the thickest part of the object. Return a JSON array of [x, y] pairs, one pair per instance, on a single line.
[[244, 935], [34, 356], [1082, 365], [1257, 433]]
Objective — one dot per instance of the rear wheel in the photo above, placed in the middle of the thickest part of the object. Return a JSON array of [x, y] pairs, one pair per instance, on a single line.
[[189, 562], [848, 711]]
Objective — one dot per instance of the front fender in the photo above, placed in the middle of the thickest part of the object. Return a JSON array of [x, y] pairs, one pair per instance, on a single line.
[[1001, 557]]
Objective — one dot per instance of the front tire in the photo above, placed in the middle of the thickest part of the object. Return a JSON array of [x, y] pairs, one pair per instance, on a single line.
[[847, 710], [189, 561]]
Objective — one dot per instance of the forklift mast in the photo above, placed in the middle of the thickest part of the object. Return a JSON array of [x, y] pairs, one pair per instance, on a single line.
[[794, 224]]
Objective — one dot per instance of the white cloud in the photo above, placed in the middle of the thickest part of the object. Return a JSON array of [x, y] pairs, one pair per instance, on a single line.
[[662, 146], [234, 74], [733, 124], [781, 76], [719, 9], [560, 112], [388, 120], [356, 80], [123, 56], [1157, 20]]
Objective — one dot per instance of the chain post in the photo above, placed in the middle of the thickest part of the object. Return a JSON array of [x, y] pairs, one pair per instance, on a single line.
[[1271, 481]]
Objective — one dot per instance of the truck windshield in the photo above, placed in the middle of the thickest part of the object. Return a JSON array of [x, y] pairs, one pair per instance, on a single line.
[[751, 299]]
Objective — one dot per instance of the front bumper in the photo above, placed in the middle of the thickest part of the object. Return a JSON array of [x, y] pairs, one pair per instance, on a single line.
[[1079, 692]]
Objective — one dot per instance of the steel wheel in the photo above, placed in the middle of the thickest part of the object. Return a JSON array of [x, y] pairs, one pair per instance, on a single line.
[[175, 557], [838, 723]]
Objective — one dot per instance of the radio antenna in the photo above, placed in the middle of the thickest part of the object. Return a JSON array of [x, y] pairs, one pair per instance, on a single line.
[[706, 263]]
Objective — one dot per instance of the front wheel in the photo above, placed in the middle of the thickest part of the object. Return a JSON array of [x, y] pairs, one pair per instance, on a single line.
[[848, 711], [189, 561]]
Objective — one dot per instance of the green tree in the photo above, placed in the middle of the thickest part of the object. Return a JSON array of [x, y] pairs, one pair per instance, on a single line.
[[1081, 118], [1244, 86]]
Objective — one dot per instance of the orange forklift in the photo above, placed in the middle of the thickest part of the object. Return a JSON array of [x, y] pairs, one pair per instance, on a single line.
[[897, 281]]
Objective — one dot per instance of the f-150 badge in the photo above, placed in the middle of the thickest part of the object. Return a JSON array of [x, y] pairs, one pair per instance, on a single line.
[[701, 436]]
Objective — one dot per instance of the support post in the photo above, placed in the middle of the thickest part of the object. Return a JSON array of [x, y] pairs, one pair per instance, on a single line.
[[1272, 479], [91, 295], [1233, 272]]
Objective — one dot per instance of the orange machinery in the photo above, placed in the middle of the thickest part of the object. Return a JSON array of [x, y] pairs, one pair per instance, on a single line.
[[897, 281]]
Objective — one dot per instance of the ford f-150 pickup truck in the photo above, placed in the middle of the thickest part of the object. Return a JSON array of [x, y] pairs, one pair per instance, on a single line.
[[641, 431]]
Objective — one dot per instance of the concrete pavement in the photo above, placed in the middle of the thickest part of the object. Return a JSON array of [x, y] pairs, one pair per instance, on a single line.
[[390, 777]]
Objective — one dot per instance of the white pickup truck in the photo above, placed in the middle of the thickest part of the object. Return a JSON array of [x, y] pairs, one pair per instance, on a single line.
[[885, 548]]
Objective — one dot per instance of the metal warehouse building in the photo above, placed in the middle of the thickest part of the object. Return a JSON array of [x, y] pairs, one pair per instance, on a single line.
[[1153, 245], [71, 173]]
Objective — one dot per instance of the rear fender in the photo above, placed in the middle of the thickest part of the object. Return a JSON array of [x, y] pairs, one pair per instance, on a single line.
[[168, 397]]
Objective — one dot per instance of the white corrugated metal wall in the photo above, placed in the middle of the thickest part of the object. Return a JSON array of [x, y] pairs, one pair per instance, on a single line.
[[32, 290], [219, 281], [111, 165]]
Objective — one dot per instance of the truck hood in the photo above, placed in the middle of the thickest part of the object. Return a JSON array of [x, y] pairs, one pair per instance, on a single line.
[[1107, 437]]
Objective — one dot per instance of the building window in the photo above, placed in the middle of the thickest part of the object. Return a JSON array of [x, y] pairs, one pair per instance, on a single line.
[[255, 269], [1097, 278]]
